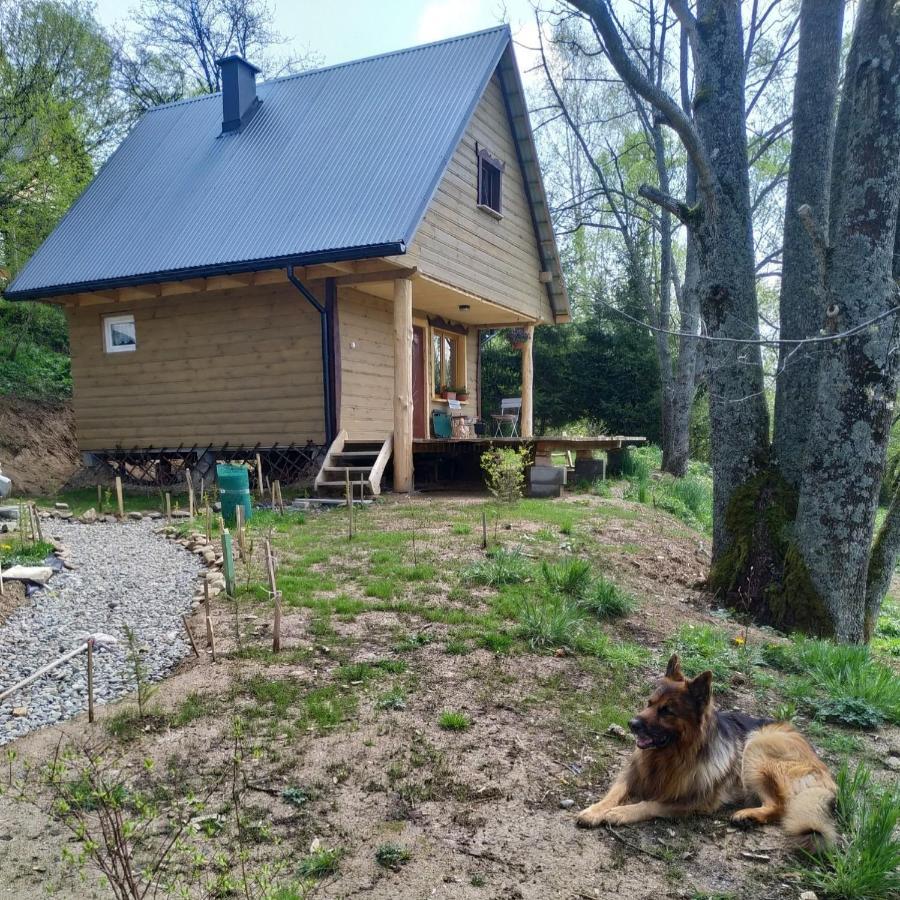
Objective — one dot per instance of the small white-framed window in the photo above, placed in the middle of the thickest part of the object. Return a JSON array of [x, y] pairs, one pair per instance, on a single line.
[[119, 333]]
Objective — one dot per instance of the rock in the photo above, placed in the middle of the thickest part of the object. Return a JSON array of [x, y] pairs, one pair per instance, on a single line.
[[65, 514], [154, 514], [60, 505], [9, 513], [89, 516], [37, 574], [20, 711], [209, 557], [180, 514], [616, 730], [110, 519], [135, 516], [809, 895], [893, 763], [567, 803]]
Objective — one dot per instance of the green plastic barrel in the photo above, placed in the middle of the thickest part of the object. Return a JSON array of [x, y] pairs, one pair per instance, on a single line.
[[234, 491]]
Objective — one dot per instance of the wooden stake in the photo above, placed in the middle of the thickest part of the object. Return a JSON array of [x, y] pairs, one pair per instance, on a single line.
[[260, 486], [239, 527], [349, 505], [90, 678], [37, 522], [119, 498], [1, 581], [190, 635], [99, 500], [276, 596], [483, 528], [190, 487], [208, 524], [210, 634], [168, 507], [228, 562]]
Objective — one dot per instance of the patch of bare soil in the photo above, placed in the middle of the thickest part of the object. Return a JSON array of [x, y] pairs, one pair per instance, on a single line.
[[484, 812], [38, 450], [12, 597]]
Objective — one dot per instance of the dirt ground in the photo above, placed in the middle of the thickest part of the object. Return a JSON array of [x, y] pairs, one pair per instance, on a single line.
[[37, 445], [484, 812]]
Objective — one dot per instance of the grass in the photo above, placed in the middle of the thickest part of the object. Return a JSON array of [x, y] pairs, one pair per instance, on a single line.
[[549, 622], [606, 600], [702, 647], [319, 863], [14, 552], [452, 720], [392, 856], [500, 567], [866, 864], [325, 709], [571, 576], [852, 683]]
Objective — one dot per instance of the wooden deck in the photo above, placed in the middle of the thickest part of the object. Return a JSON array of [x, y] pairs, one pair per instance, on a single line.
[[543, 444]]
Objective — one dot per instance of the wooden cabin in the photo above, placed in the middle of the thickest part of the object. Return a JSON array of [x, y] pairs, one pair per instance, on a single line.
[[305, 263]]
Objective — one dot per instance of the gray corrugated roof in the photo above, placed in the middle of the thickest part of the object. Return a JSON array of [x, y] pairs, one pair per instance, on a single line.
[[338, 162]]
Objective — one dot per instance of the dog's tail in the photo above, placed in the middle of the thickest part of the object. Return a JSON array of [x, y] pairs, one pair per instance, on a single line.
[[809, 819]]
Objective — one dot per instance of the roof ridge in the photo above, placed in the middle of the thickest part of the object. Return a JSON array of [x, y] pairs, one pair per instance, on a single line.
[[350, 62]]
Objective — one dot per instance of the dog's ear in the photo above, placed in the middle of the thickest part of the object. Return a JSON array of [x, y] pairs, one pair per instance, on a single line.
[[673, 669], [700, 688]]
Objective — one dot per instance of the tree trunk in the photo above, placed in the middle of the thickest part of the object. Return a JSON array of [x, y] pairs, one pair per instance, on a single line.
[[850, 426], [802, 304], [727, 281]]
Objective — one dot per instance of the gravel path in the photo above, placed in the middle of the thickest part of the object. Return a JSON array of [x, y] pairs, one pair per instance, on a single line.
[[125, 575]]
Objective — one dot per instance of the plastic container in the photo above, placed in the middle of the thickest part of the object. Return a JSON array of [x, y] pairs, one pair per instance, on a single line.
[[234, 491]]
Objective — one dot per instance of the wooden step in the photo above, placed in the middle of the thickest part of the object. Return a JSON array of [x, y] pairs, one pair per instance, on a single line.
[[356, 453], [362, 461], [365, 469]]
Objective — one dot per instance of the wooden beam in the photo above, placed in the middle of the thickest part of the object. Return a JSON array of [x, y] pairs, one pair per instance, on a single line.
[[526, 425], [370, 277], [403, 405], [223, 282], [147, 292]]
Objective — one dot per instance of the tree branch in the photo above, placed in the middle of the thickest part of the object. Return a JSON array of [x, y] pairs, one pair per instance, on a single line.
[[677, 208], [675, 117]]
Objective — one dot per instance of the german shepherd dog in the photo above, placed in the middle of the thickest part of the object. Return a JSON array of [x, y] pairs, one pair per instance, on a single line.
[[692, 758]]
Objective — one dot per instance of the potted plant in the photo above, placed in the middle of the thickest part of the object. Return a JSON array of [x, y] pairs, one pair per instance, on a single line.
[[447, 393], [517, 337], [462, 394]]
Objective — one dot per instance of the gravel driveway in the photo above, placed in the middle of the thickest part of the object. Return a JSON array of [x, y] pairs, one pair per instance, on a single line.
[[125, 575]]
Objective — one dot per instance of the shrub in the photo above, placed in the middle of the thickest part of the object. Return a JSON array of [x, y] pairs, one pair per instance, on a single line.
[[504, 472], [392, 856], [319, 863]]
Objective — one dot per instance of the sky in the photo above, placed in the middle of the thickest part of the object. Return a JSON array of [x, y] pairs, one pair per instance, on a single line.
[[341, 30]]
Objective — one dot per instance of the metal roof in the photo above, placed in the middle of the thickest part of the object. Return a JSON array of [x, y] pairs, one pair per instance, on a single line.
[[338, 163]]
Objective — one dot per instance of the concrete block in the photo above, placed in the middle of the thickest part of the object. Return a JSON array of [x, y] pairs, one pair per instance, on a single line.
[[547, 475], [544, 490], [590, 469]]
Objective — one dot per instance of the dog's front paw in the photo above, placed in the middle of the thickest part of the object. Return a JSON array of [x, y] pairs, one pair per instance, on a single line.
[[591, 817], [746, 818], [618, 815]]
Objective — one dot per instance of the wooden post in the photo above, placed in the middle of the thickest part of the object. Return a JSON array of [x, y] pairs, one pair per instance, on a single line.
[[239, 527], [190, 634], [260, 486], [276, 597], [210, 635], [39, 532], [349, 494], [403, 406], [483, 528], [526, 417], [168, 507], [90, 678], [190, 487], [99, 500], [228, 562], [120, 500], [208, 524]]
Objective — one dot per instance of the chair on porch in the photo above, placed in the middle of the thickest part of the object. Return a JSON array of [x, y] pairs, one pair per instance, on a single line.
[[510, 409], [441, 424]]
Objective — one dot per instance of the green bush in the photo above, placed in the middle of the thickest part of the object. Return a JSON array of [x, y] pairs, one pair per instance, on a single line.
[[571, 576], [548, 622], [606, 600], [500, 567], [34, 352]]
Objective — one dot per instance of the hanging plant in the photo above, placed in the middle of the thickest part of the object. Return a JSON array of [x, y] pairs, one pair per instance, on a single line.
[[517, 337]]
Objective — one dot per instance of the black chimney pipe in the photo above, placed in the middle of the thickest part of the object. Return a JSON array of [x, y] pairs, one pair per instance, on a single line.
[[239, 100]]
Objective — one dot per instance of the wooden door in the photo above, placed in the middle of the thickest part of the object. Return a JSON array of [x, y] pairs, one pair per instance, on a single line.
[[420, 406]]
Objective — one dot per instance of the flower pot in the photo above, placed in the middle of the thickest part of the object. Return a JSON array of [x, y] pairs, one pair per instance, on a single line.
[[463, 398], [448, 395]]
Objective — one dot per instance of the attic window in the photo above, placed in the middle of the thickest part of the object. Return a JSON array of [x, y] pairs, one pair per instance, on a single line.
[[490, 177], [119, 334]]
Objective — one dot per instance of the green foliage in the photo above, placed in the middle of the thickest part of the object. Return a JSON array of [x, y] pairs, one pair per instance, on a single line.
[[500, 567], [606, 600], [859, 688], [14, 551], [34, 359], [865, 865], [452, 720], [703, 647], [392, 856], [504, 472], [550, 621], [599, 371], [571, 576], [320, 863], [144, 689]]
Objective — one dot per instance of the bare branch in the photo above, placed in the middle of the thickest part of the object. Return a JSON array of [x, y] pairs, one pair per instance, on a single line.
[[670, 204]]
